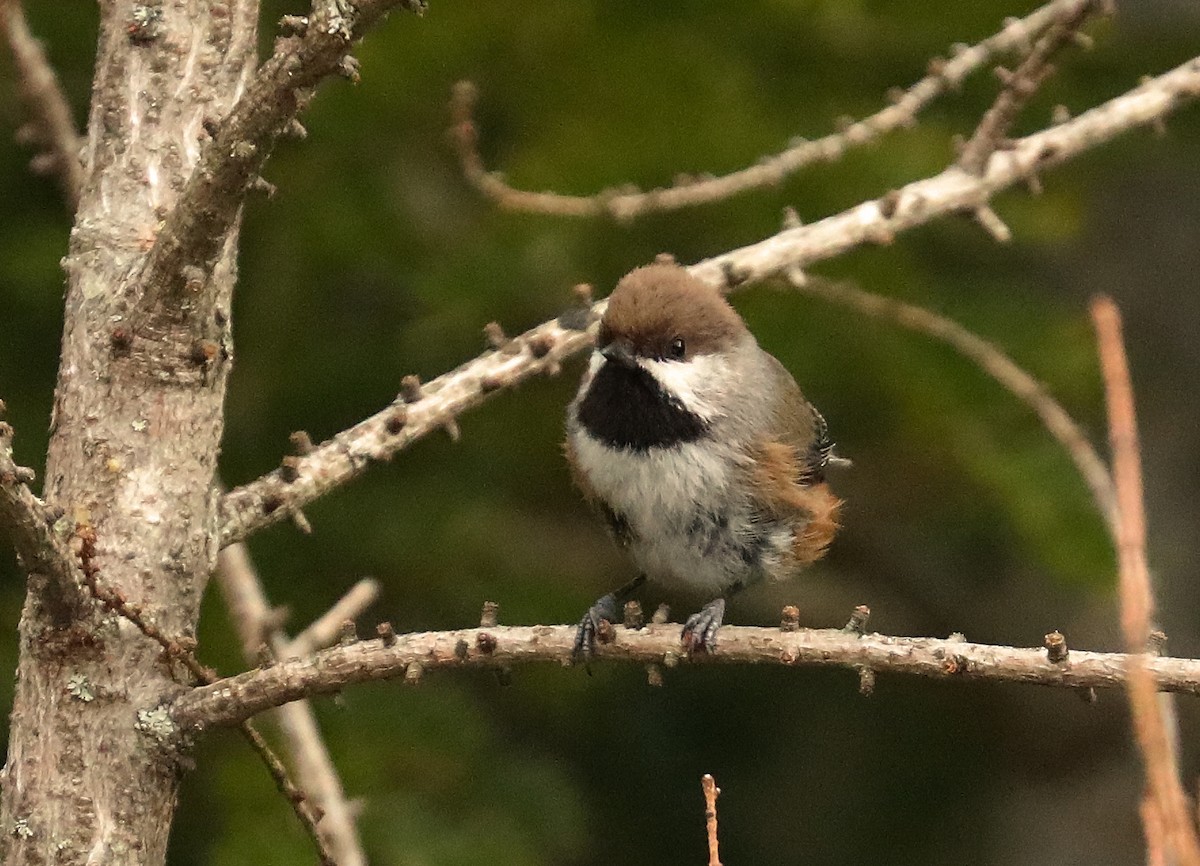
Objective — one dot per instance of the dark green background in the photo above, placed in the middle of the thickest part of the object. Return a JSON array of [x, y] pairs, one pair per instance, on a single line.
[[375, 260]]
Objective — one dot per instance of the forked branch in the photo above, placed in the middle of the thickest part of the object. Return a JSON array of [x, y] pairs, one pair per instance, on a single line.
[[944, 75], [313, 49]]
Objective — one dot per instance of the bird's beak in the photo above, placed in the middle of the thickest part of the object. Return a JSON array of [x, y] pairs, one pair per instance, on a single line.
[[620, 353]]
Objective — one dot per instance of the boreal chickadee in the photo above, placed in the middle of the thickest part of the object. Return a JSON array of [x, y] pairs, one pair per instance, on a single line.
[[698, 448]]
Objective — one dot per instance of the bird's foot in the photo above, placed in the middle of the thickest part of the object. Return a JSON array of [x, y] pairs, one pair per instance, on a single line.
[[700, 630], [591, 628]]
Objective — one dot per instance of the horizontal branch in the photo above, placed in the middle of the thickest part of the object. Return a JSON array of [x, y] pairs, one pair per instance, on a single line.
[[944, 75], [239, 697], [277, 494]]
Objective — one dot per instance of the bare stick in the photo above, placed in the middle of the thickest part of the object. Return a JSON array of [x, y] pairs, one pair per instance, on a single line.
[[954, 190], [1149, 722], [270, 498], [315, 770], [325, 630], [378, 438], [40, 540], [45, 101], [1020, 86], [992, 360], [619, 203], [709, 784], [244, 695]]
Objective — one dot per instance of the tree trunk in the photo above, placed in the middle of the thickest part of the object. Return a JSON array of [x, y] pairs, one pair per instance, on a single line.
[[92, 769]]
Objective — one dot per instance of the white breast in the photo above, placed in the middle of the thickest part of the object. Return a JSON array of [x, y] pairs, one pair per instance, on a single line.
[[663, 494]]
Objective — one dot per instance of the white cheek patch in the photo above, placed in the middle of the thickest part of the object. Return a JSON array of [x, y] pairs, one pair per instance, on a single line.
[[595, 362], [699, 384]]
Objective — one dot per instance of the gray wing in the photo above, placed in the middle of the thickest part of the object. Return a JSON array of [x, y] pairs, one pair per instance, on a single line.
[[796, 422]]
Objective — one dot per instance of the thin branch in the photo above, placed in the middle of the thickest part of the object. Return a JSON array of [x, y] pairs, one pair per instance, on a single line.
[[327, 628], [231, 162], [50, 114], [944, 75], [315, 770], [954, 190], [1021, 85], [1149, 722], [992, 360], [41, 541], [709, 784], [305, 810], [239, 697], [347, 455], [272, 497]]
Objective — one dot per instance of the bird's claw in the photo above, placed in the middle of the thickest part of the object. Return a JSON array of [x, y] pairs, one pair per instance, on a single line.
[[700, 630], [592, 627]]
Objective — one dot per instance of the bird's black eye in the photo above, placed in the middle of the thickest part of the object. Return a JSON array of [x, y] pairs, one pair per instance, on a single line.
[[677, 349]]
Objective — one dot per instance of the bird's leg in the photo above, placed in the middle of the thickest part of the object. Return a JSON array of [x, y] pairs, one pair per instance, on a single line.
[[605, 608], [700, 630]]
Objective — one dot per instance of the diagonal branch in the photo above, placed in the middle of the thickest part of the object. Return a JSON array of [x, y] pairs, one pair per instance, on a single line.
[[992, 360], [954, 190], [34, 528], [239, 697], [944, 75], [272, 497], [50, 114], [347, 455], [315, 772], [194, 231], [770, 171], [1021, 85], [1136, 597], [328, 628]]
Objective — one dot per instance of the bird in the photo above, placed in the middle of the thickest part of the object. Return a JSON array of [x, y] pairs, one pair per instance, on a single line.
[[698, 449]]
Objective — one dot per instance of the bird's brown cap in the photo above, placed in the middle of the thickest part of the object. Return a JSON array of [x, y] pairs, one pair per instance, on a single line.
[[655, 305]]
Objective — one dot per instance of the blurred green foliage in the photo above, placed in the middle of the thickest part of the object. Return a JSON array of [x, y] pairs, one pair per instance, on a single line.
[[375, 260]]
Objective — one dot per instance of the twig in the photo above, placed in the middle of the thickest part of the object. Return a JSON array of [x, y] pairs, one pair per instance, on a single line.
[[308, 814], [324, 630], [709, 784], [34, 529], [232, 160], [315, 771], [1149, 723], [175, 651], [244, 695], [50, 115], [954, 190], [378, 438], [992, 360], [1020, 86], [268, 499], [619, 203]]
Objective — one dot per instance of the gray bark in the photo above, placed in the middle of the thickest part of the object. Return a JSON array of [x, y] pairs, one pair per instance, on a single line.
[[135, 434]]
